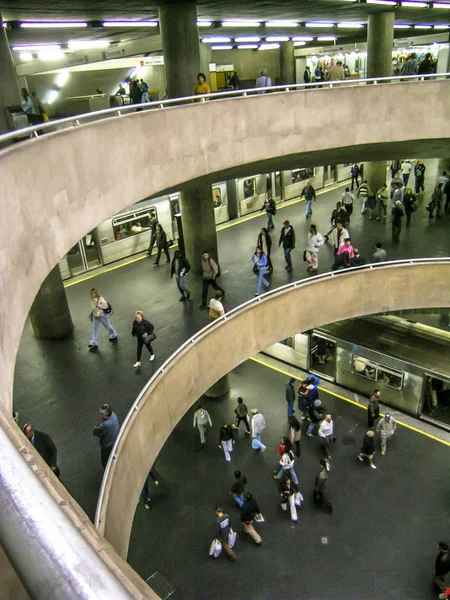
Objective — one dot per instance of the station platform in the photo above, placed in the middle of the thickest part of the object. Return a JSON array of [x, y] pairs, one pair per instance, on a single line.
[[384, 535]]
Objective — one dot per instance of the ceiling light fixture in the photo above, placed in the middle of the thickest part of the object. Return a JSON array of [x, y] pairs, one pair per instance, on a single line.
[[326, 38], [62, 78], [299, 43], [48, 47], [25, 56], [383, 2], [221, 47], [316, 24], [401, 26], [52, 96], [216, 40], [247, 38], [441, 5], [241, 23], [422, 27], [269, 46], [204, 23], [409, 4], [441, 26], [86, 44], [349, 25], [277, 38], [130, 23], [50, 55], [247, 46], [53, 24], [302, 38], [282, 24]]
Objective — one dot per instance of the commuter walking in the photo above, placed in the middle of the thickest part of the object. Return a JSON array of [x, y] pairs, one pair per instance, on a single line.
[[427, 65], [210, 272], [259, 260], [161, 244], [354, 172], [373, 408], [263, 81], [44, 445], [380, 253], [99, 314], [180, 268], [436, 201], [265, 242], [287, 238], [107, 430], [409, 203], [287, 462], [386, 428], [135, 93], [313, 244], [144, 88], [241, 414], [144, 332], [270, 207], [368, 448], [347, 200], [382, 198], [406, 170], [238, 488], [338, 215], [363, 193], [326, 432], [223, 526], [309, 194], [289, 393], [226, 440], [153, 222], [145, 493], [216, 308], [397, 215], [307, 75], [446, 191], [336, 73], [419, 176], [235, 81], [320, 483], [295, 434], [39, 110], [249, 511], [395, 167], [410, 66], [338, 236], [288, 489], [442, 567], [28, 108], [258, 424], [201, 421], [303, 402], [315, 415], [201, 87]]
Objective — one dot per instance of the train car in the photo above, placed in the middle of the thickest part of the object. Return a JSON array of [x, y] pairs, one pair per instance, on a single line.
[[408, 362]]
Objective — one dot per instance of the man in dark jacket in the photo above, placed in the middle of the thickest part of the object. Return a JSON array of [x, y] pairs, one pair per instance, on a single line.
[[107, 430], [368, 448], [442, 567], [319, 486], [358, 260], [397, 215], [153, 222], [290, 396], [309, 194], [223, 526], [354, 172], [373, 408], [436, 201], [447, 196], [249, 510], [44, 445], [409, 200], [271, 208], [316, 413], [226, 440], [180, 268], [161, 244], [238, 487], [287, 238]]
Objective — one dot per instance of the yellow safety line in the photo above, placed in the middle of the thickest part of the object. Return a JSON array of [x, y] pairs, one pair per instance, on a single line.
[[331, 188], [436, 439]]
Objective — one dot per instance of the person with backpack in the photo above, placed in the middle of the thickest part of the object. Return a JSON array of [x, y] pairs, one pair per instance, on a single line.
[[144, 87], [270, 207], [263, 81], [161, 244], [315, 415], [100, 309], [210, 272], [419, 176], [143, 331]]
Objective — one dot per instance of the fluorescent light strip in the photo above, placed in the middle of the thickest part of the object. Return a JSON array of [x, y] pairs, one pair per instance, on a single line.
[[25, 56], [348, 25], [423, 27], [326, 38], [221, 47], [247, 46], [130, 23], [409, 4], [204, 23], [216, 40], [441, 5], [269, 46], [382, 2], [86, 44], [441, 26], [282, 24], [241, 23], [401, 26], [53, 55], [302, 38], [277, 38], [53, 24], [247, 38], [327, 25], [42, 47], [299, 43]]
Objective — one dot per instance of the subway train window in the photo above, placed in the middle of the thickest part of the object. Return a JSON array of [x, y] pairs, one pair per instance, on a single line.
[[391, 378], [217, 197], [362, 366], [277, 184], [175, 205], [302, 174], [127, 225], [249, 188]]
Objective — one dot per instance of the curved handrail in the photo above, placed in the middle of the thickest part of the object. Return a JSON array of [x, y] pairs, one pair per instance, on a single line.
[[205, 330], [77, 120]]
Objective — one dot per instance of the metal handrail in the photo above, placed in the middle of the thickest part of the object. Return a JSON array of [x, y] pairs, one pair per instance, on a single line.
[[205, 330], [77, 120]]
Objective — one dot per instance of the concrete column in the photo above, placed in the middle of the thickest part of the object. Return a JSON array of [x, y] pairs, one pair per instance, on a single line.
[[380, 40], [199, 225], [205, 60], [287, 63], [179, 33], [233, 210], [9, 85], [375, 174], [220, 388], [50, 315]]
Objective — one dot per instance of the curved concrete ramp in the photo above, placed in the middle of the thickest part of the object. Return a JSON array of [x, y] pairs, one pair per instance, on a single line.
[[242, 333]]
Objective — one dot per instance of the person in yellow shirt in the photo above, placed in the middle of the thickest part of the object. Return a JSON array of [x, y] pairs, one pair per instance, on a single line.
[[201, 87]]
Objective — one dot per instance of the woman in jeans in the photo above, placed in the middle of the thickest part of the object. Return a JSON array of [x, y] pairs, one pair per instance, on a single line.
[[98, 308], [142, 330], [259, 260]]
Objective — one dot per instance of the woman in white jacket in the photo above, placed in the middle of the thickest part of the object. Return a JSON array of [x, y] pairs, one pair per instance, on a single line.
[[314, 242]]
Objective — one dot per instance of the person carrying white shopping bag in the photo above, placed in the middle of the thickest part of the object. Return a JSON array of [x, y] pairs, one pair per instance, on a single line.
[[223, 531], [288, 491]]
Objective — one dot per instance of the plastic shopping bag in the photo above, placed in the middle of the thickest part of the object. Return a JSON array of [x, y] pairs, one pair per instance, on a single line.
[[215, 549], [231, 538], [298, 499]]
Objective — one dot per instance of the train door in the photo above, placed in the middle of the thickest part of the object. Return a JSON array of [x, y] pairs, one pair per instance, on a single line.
[[436, 399], [323, 356], [85, 255], [329, 175], [277, 185]]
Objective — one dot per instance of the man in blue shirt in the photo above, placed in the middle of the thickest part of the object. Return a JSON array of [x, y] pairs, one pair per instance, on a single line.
[[107, 430]]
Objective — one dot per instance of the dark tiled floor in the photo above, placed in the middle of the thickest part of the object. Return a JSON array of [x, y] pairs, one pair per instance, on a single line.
[[59, 387]]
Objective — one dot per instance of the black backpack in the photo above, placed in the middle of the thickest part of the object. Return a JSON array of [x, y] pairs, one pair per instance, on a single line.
[[218, 267], [109, 310], [272, 206]]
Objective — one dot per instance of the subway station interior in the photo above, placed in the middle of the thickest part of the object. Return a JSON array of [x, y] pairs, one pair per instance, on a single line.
[[261, 190]]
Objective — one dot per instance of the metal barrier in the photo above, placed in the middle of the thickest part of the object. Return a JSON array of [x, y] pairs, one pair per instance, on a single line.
[[77, 120]]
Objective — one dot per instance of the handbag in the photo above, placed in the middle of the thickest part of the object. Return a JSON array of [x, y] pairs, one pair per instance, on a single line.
[[150, 338], [304, 256], [231, 538], [255, 269], [298, 499], [215, 549]]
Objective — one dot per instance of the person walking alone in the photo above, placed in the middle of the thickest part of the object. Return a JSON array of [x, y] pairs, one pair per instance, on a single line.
[[44, 445], [373, 408], [288, 489], [326, 432], [409, 203], [287, 239], [382, 197], [265, 242], [406, 170], [309, 194], [226, 440], [238, 488], [201, 421], [144, 332], [259, 260], [354, 172], [287, 462], [419, 177], [161, 244], [289, 393], [347, 201], [223, 526], [258, 425], [386, 428], [314, 242], [107, 430], [249, 510], [210, 272], [320, 483], [145, 493], [271, 209], [153, 222], [397, 215], [180, 268], [338, 236], [241, 414], [363, 193], [99, 314], [295, 434], [368, 448]]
